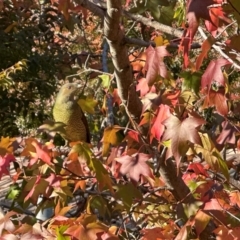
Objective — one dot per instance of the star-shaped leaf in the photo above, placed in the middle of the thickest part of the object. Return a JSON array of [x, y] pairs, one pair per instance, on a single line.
[[218, 100], [180, 132], [154, 63], [214, 73], [135, 165], [211, 155]]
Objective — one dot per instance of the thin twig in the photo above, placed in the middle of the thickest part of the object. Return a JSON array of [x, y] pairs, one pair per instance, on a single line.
[[224, 29]]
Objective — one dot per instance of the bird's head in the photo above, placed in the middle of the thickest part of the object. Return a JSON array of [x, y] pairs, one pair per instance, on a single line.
[[69, 92]]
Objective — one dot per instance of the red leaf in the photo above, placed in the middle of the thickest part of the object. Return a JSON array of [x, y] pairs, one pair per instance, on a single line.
[[143, 87], [134, 135], [54, 181], [153, 234], [158, 128], [63, 7], [171, 97], [41, 153], [127, 3], [135, 166], [198, 169], [217, 99], [184, 47], [206, 46], [154, 63], [214, 73], [180, 132], [35, 186], [216, 15], [197, 9], [227, 134], [216, 204], [5, 164]]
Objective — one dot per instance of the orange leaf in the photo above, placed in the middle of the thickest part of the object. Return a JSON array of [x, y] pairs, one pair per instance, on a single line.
[[201, 221], [206, 46], [6, 145], [63, 6]]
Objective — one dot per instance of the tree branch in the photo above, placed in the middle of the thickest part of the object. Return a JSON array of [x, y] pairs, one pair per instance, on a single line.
[[95, 9], [127, 91], [101, 8], [156, 25], [119, 54]]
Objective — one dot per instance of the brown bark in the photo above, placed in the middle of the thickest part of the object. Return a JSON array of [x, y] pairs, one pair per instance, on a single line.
[[119, 54], [127, 92]]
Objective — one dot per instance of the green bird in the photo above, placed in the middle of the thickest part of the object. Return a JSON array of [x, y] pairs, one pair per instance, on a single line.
[[67, 110]]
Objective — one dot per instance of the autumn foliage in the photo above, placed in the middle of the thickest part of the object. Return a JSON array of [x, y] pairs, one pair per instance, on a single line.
[[160, 89]]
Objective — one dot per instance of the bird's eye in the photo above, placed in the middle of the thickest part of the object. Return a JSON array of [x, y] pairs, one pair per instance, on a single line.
[[69, 87]]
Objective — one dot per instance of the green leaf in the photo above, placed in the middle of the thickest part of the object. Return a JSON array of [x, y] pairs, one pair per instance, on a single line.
[[193, 185], [191, 81], [13, 192], [106, 80], [222, 164], [190, 209], [127, 193], [82, 150], [60, 230], [211, 155], [167, 143], [167, 14], [98, 203], [102, 175]]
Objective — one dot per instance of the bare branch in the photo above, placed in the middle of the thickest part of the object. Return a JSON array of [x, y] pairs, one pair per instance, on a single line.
[[99, 9], [156, 25]]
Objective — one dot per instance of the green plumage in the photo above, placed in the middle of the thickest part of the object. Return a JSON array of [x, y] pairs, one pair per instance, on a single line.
[[67, 110]]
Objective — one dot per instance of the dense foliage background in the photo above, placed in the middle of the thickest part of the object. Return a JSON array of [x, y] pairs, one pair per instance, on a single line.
[[160, 88]]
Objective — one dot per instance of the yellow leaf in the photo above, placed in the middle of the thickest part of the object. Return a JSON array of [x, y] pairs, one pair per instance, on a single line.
[[111, 137], [6, 145], [160, 41], [88, 104], [211, 155]]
